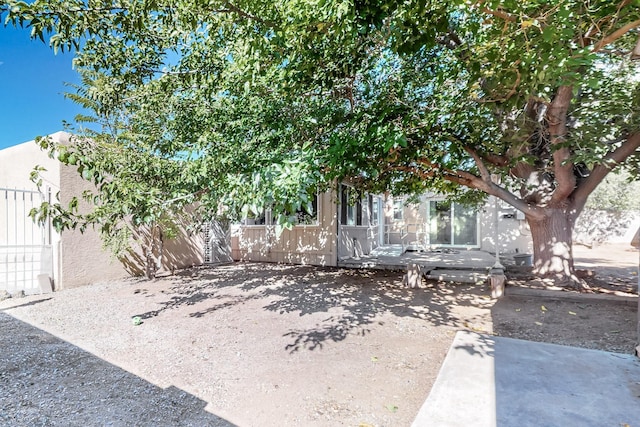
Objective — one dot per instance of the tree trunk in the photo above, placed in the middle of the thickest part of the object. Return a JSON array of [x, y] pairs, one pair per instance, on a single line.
[[154, 252], [552, 248]]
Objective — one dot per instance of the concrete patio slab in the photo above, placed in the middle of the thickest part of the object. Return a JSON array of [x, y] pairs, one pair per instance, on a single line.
[[428, 260], [494, 381], [386, 251]]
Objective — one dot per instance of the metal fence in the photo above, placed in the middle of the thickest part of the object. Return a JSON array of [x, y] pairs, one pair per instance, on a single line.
[[26, 255]]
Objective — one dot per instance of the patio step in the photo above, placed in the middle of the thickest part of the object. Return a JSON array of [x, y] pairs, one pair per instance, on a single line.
[[460, 276]]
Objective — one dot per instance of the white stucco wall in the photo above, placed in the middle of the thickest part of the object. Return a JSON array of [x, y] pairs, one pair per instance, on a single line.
[[513, 234], [17, 162], [20, 236]]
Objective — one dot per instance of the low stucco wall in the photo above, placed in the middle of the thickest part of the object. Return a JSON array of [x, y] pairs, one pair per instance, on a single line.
[[85, 261], [303, 244], [599, 226]]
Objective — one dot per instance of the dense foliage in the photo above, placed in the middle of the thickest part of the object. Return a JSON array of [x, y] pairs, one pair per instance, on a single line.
[[254, 103]]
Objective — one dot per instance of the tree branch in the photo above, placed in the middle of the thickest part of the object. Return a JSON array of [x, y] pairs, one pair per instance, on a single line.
[[500, 14], [484, 172], [610, 162], [496, 159], [236, 9], [563, 167], [469, 180], [616, 35], [518, 203]]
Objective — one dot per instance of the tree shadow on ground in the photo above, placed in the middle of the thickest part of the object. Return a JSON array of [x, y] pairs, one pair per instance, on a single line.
[[595, 324], [48, 381], [353, 300], [199, 284]]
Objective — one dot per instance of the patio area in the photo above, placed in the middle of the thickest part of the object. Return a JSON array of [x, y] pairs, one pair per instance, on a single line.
[[391, 257]]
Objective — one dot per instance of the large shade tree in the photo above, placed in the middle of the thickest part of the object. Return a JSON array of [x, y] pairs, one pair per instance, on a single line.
[[533, 102]]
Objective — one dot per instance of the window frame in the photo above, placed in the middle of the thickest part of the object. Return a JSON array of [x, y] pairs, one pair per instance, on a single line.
[[350, 215]]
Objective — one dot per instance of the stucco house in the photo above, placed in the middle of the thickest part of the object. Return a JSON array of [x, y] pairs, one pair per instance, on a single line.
[[339, 231], [35, 258]]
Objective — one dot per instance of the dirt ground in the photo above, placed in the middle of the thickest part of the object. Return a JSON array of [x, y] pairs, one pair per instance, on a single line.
[[272, 345]]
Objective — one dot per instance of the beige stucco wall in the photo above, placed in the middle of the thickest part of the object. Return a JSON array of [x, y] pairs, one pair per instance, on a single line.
[[85, 261], [303, 244], [78, 258]]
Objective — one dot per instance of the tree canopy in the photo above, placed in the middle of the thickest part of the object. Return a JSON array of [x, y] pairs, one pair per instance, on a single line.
[[257, 102]]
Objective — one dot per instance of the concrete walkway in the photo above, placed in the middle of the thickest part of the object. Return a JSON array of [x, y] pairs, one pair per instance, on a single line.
[[493, 381]]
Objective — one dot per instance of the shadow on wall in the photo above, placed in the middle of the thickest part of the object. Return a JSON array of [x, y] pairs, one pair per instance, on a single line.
[[300, 245], [356, 241], [184, 250], [46, 379], [514, 235]]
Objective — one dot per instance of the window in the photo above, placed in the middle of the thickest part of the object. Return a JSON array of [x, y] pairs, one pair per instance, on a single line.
[[398, 209], [253, 219], [350, 214], [374, 206], [304, 217]]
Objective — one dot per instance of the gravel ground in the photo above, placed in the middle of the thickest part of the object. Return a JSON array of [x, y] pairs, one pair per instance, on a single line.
[[261, 345]]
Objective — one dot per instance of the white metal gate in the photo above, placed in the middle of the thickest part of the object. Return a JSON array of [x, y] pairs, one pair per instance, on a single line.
[[26, 255], [217, 243]]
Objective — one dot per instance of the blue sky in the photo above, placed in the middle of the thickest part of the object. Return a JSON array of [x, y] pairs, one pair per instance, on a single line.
[[32, 86]]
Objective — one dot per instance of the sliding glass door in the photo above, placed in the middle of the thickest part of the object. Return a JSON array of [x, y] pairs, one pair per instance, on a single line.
[[451, 224]]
